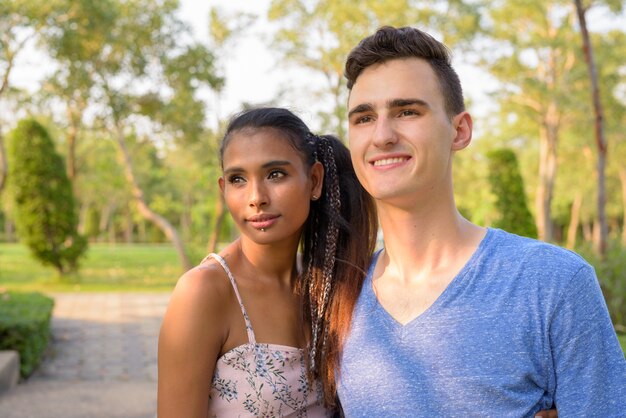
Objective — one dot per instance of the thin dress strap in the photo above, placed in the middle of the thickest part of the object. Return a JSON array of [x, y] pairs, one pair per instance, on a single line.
[[219, 259]]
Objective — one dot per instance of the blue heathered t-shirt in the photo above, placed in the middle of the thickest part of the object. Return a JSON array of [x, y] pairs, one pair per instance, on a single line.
[[522, 327]]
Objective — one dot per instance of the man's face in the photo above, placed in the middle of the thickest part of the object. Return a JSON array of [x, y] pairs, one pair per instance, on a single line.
[[401, 139]]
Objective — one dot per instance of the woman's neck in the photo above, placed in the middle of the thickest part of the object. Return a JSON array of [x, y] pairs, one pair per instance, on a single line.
[[272, 261]]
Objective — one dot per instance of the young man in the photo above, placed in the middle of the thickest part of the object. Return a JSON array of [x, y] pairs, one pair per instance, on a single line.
[[454, 319]]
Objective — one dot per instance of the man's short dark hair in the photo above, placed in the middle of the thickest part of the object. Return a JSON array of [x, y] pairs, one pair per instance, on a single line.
[[389, 43]]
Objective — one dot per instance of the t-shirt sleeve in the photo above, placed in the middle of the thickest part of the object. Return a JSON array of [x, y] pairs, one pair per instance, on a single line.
[[589, 365]]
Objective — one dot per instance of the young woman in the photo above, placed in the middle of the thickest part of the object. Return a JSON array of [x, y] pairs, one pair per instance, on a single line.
[[251, 331]]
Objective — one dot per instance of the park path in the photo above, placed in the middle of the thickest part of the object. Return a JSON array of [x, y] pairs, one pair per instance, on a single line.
[[101, 362]]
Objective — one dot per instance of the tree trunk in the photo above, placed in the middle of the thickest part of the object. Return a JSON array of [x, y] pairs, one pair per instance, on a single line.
[[105, 219], [340, 112], [572, 230], [600, 241], [141, 232], [82, 218], [72, 135], [143, 208], [9, 230], [547, 173], [622, 177], [111, 233], [3, 164], [128, 231], [185, 216], [220, 214], [587, 232]]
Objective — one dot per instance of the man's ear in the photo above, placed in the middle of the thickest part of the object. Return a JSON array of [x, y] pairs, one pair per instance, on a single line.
[[462, 124], [317, 180]]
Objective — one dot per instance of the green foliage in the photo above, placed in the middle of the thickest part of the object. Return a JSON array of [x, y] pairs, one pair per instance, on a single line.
[[25, 326], [44, 203], [508, 187], [612, 276], [471, 186]]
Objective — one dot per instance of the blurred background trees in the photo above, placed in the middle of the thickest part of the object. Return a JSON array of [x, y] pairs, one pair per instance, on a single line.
[[132, 98]]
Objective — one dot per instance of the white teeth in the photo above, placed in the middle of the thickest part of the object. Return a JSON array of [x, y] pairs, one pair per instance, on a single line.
[[387, 161]]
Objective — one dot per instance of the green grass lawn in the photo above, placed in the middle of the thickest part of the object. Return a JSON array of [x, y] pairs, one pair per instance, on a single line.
[[107, 267], [622, 341]]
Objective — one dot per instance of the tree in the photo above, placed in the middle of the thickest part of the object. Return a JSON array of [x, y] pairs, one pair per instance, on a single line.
[[20, 22], [508, 187], [144, 70], [318, 35], [46, 214], [600, 240], [532, 56]]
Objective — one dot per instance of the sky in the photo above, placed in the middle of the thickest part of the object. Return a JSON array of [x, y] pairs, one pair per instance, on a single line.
[[255, 74]]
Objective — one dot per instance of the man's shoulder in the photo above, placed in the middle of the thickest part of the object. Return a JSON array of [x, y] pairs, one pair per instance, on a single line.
[[535, 264], [516, 247]]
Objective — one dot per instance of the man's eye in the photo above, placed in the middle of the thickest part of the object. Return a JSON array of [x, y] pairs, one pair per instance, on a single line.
[[364, 119]]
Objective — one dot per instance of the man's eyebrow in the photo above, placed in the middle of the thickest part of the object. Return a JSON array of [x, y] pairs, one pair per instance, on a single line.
[[273, 163], [406, 102], [364, 107], [391, 104]]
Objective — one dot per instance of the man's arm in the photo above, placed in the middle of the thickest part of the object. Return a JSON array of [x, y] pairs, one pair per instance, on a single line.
[[589, 364]]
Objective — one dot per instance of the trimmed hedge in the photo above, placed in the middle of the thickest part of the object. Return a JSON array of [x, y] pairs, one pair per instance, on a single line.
[[25, 326]]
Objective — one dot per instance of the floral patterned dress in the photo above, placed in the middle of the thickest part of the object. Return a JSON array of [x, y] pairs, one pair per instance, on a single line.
[[262, 380]]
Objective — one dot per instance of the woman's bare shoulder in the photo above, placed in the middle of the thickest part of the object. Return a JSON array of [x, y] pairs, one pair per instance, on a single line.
[[198, 309], [206, 284]]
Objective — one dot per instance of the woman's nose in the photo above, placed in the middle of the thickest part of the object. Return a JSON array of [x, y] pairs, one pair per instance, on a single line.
[[258, 195]]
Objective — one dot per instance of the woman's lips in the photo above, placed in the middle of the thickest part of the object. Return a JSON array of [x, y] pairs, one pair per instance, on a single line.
[[262, 221]]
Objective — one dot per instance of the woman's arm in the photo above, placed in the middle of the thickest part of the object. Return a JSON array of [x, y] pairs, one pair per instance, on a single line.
[[193, 331]]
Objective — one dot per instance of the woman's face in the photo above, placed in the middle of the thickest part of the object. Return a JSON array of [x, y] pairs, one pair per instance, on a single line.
[[266, 185]]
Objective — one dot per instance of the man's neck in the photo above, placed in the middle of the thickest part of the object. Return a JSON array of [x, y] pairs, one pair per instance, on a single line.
[[424, 240], [424, 251]]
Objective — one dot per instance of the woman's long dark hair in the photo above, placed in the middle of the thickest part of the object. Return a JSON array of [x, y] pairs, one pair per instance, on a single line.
[[338, 239]]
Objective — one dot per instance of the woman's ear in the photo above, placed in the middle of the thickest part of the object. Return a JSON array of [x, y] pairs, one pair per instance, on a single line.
[[463, 126], [220, 181], [317, 180]]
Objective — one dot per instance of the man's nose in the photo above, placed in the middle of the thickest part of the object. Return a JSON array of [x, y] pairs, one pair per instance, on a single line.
[[384, 133]]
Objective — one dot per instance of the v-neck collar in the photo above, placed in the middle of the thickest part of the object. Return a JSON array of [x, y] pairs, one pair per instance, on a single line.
[[448, 292]]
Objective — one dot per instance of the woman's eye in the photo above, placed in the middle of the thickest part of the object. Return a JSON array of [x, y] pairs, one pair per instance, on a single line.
[[276, 174], [236, 180]]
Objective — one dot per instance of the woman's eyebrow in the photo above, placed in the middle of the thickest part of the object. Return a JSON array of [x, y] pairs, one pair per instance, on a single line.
[[272, 163]]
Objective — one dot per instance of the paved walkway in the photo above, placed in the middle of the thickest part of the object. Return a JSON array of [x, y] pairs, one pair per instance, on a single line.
[[102, 360]]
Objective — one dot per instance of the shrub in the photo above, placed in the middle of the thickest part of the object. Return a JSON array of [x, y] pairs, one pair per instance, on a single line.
[[25, 326], [508, 188], [46, 216]]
